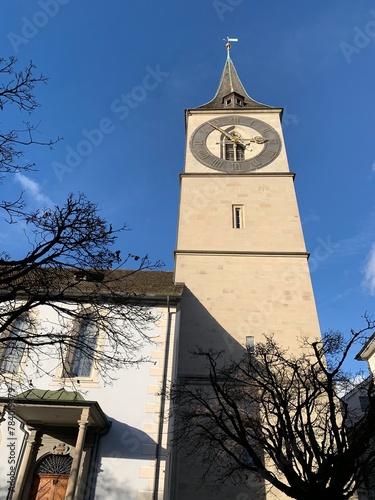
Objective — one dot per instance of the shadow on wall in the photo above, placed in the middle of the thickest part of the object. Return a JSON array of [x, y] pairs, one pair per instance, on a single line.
[[124, 441], [200, 330], [4, 491], [113, 489]]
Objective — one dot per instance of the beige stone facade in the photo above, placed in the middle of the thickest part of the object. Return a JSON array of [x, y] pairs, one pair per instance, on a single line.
[[252, 280]]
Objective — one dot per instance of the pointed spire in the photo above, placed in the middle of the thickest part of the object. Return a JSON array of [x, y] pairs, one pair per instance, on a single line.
[[231, 94], [231, 69]]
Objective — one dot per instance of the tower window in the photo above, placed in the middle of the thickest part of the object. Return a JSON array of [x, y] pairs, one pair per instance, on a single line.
[[228, 102], [237, 213], [250, 343], [234, 152], [239, 101]]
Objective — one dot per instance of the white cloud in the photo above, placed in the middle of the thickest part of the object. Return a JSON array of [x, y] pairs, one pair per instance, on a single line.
[[311, 217], [373, 167], [33, 189], [369, 271]]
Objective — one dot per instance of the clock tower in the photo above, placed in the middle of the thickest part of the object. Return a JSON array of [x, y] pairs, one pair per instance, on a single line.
[[240, 247]]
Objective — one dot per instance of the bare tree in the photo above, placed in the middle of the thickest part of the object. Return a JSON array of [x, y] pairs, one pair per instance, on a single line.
[[69, 264], [279, 417]]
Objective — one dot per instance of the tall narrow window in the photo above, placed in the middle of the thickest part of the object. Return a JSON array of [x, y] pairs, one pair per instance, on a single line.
[[11, 351], [229, 151], [240, 152], [232, 148], [82, 357], [250, 343], [234, 152], [237, 214]]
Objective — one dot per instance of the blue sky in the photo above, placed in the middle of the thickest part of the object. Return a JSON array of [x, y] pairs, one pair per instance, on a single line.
[[315, 59]]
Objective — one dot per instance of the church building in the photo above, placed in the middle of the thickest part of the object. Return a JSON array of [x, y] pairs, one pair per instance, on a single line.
[[241, 271]]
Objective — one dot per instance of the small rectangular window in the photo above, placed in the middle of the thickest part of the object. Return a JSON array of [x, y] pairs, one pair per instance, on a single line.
[[250, 343], [238, 218]]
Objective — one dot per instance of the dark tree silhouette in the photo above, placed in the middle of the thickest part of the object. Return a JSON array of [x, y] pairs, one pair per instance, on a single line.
[[69, 258], [278, 417]]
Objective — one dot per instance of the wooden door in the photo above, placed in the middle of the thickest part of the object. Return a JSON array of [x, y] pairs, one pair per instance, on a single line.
[[48, 487]]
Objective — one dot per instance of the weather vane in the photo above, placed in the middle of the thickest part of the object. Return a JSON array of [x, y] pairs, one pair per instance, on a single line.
[[228, 45]]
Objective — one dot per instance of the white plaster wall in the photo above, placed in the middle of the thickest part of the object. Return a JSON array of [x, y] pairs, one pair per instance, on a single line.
[[131, 402], [11, 442]]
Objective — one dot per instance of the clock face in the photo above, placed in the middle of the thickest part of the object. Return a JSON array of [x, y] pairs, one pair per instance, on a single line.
[[235, 144]]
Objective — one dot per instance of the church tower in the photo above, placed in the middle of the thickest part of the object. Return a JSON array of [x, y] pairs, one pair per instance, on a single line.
[[240, 247]]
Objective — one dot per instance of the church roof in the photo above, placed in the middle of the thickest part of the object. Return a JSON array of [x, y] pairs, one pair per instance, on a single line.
[[146, 282], [230, 83], [70, 282]]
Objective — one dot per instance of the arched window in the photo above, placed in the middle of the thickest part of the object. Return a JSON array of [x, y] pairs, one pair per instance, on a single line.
[[231, 149], [11, 351], [83, 352], [55, 464]]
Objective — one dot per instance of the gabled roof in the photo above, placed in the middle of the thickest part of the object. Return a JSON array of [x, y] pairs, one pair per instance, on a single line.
[[231, 84], [367, 349], [137, 282]]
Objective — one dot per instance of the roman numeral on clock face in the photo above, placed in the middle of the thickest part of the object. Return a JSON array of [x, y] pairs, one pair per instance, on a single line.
[[269, 154], [198, 142], [217, 163], [203, 154]]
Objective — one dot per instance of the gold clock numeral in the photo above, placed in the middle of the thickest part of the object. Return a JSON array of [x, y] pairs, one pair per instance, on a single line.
[[236, 166], [234, 120], [264, 131], [255, 163]]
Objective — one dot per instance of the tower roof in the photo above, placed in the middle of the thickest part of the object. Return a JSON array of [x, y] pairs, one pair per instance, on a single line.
[[231, 93]]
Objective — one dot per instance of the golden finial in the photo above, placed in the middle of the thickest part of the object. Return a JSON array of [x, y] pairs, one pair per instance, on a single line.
[[228, 45]]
